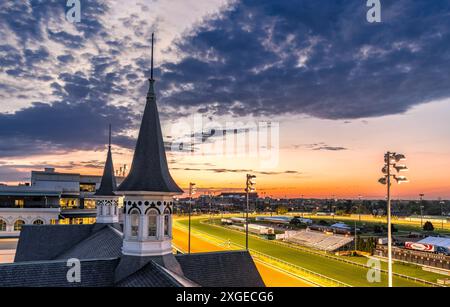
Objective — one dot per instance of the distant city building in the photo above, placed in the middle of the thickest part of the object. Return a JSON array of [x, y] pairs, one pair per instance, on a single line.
[[51, 198]]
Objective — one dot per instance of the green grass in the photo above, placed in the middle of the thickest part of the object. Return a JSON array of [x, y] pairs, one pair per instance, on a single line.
[[399, 224], [347, 273]]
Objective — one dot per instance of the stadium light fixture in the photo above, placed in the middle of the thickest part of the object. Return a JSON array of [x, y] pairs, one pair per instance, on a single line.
[[382, 180], [401, 179], [388, 170], [400, 168], [399, 157]]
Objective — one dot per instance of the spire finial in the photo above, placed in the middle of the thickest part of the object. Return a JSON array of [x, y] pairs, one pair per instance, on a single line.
[[151, 71], [109, 144]]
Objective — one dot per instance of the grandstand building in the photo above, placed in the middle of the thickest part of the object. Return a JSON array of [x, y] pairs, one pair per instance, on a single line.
[[318, 240]]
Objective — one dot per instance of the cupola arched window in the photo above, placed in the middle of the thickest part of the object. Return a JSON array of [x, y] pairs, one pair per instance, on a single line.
[[2, 225], [18, 225], [38, 222], [152, 223], [167, 222], [134, 222]]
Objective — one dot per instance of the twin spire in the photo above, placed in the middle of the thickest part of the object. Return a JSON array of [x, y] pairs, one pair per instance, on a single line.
[[108, 184], [149, 171]]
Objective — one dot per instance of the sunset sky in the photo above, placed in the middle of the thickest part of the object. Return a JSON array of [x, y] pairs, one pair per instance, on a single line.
[[341, 90]]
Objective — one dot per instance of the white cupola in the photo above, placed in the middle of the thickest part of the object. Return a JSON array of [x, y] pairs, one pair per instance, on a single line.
[[107, 202], [148, 189]]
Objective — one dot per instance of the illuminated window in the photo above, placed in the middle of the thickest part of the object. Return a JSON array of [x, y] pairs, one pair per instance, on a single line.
[[134, 216], [87, 187], [38, 222], [152, 226], [2, 225], [19, 203], [89, 204], [18, 225], [68, 203]]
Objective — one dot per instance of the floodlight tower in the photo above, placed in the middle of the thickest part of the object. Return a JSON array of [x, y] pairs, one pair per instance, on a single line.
[[391, 165]]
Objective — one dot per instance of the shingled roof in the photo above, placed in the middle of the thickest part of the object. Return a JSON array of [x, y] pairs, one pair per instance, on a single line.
[[45, 242], [104, 243], [221, 269], [149, 170], [43, 250], [94, 273]]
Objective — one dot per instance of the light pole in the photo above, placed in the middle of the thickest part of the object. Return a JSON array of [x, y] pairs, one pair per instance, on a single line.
[[192, 190], [249, 187], [441, 202], [421, 195], [359, 206], [391, 159]]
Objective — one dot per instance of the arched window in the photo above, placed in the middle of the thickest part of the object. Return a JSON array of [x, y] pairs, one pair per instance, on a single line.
[[152, 223], [167, 224], [2, 225], [18, 225], [38, 222], [134, 217]]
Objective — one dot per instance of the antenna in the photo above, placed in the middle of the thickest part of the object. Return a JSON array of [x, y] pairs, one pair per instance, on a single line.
[[151, 71], [109, 136]]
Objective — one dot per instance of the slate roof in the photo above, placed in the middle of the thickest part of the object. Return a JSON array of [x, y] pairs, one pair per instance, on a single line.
[[94, 273], [43, 249], [45, 242], [221, 269], [149, 170], [104, 243], [151, 275]]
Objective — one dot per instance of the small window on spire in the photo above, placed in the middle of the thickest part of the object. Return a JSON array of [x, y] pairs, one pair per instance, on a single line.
[[134, 216]]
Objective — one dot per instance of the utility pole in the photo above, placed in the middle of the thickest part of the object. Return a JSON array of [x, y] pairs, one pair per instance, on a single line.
[[421, 195], [249, 187], [441, 202], [192, 190]]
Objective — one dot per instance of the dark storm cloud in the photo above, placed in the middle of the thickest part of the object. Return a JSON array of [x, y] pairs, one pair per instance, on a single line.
[[314, 57], [259, 56], [60, 127], [330, 148], [320, 146], [228, 170]]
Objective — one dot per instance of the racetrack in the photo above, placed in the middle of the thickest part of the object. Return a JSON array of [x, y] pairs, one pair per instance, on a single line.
[[272, 276], [343, 272]]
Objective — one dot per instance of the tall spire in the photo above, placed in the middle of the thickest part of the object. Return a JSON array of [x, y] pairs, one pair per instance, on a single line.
[[149, 171], [108, 184]]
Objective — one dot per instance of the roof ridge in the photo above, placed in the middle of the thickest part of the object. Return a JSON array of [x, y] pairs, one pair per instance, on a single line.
[[92, 236], [56, 261]]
